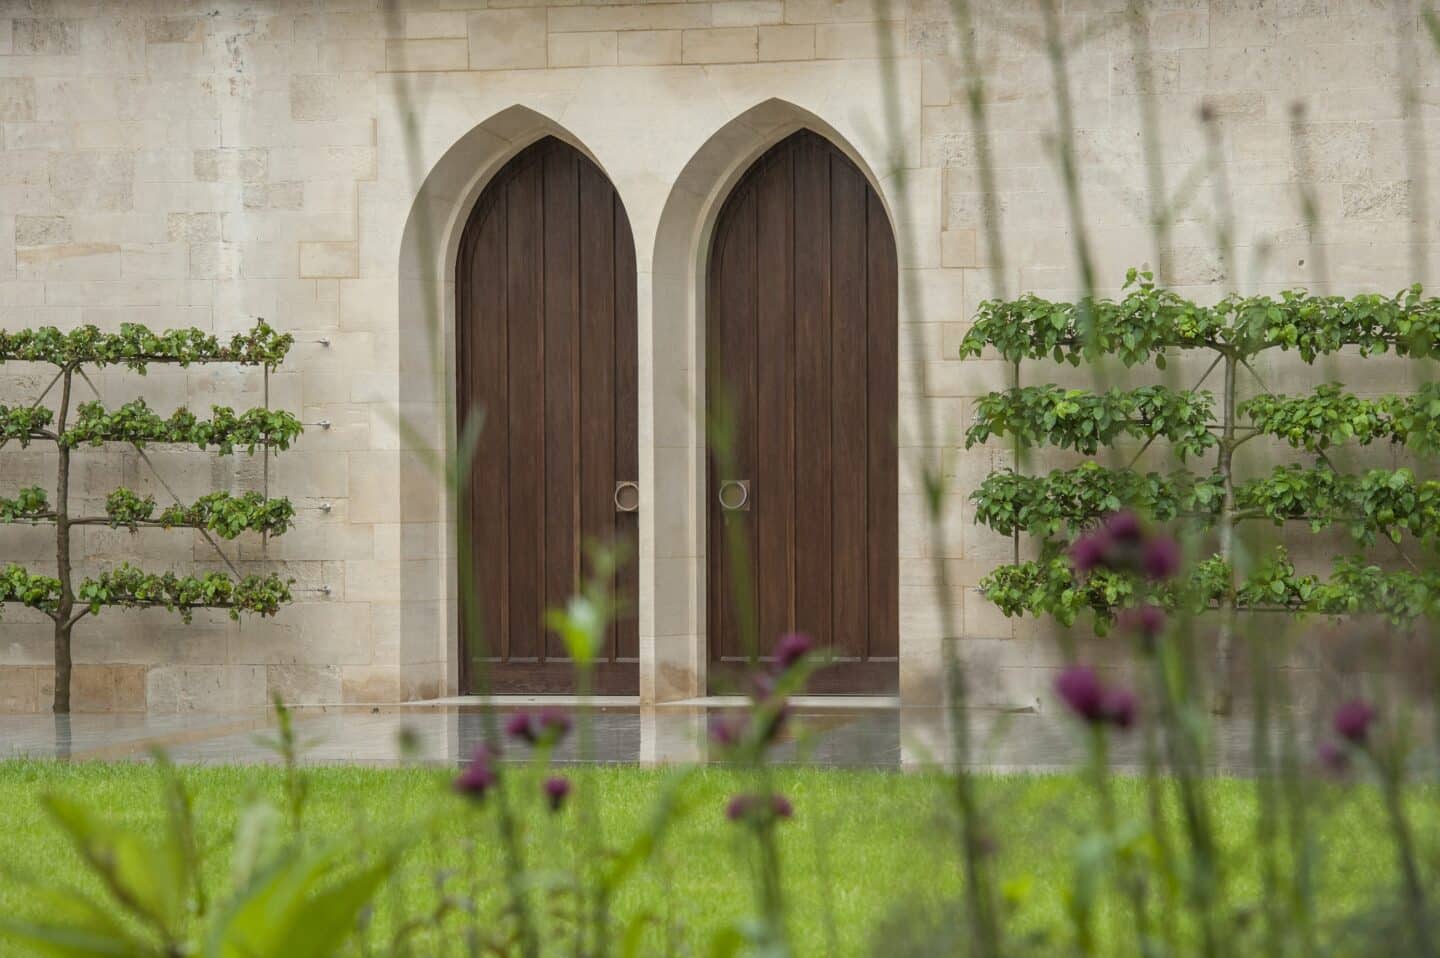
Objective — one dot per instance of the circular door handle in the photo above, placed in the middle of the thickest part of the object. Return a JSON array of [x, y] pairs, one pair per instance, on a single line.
[[734, 495], [627, 496]]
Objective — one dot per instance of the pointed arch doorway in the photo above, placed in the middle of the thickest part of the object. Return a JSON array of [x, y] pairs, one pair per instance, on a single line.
[[801, 362], [546, 348]]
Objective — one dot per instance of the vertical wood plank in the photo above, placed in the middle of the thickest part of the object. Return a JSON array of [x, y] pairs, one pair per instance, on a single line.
[[526, 351], [883, 348], [849, 343], [773, 511], [813, 523], [481, 317], [627, 425], [597, 359], [735, 316], [561, 419]]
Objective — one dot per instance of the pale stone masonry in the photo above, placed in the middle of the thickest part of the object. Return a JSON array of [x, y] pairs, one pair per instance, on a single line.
[[176, 163]]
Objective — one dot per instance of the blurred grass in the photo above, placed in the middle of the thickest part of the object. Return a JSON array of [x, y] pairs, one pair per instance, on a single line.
[[883, 839]]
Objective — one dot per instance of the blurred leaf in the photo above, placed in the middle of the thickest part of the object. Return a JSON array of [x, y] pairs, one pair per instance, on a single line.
[[74, 927], [150, 881]]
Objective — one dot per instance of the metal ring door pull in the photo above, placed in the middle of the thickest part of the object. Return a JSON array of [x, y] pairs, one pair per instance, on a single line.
[[627, 496], [734, 495]]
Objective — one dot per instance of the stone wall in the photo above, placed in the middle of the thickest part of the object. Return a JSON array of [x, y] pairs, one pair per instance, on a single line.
[[175, 162]]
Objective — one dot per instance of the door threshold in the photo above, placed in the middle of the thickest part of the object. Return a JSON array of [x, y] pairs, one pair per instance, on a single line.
[[798, 701], [512, 700]]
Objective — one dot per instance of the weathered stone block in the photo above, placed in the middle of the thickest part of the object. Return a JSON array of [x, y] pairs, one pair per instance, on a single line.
[[584, 49], [426, 55], [93, 181], [788, 42], [647, 47], [17, 99], [720, 45], [327, 259], [507, 39], [46, 37], [41, 230]]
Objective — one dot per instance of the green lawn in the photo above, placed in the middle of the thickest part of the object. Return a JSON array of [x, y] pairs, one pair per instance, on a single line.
[[872, 849]]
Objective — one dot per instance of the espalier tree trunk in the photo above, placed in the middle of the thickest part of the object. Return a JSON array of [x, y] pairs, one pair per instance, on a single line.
[[1141, 328], [70, 426]]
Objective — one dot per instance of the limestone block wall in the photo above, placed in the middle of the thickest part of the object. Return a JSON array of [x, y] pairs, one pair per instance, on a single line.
[[175, 162]]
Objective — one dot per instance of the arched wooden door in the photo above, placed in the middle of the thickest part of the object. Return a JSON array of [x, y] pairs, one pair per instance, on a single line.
[[801, 367], [545, 317]]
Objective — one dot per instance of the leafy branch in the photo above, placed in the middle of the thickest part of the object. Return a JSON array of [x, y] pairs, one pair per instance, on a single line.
[[1330, 416], [24, 423], [224, 514], [1148, 320], [1380, 502], [1050, 586], [32, 502], [135, 422], [1067, 500], [1084, 421], [136, 346], [129, 587]]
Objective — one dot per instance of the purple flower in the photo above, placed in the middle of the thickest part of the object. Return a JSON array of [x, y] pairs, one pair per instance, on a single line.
[[1088, 552], [1352, 721], [554, 724], [479, 776], [792, 647], [726, 731], [1079, 688], [739, 807], [519, 726], [1160, 557], [556, 789], [1147, 620], [1124, 527], [546, 727], [1119, 707], [1333, 758], [743, 807]]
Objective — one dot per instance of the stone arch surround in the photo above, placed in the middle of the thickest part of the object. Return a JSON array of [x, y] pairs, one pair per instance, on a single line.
[[672, 156]]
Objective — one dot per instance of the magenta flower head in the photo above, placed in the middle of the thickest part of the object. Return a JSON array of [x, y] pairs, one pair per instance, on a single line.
[[479, 776], [1080, 689], [743, 807], [1353, 720], [520, 726], [1333, 758], [546, 727], [1146, 621], [1088, 553], [792, 647], [556, 789], [1119, 707], [739, 807], [1160, 558], [726, 730], [1124, 527], [553, 724]]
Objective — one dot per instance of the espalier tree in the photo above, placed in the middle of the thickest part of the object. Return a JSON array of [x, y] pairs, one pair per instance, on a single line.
[[71, 426], [1145, 325]]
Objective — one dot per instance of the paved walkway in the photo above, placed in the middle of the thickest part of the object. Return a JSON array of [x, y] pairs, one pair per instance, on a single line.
[[857, 733]]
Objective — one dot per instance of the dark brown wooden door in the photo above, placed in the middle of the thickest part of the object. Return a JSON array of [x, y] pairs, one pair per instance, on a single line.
[[801, 366], [545, 312]]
